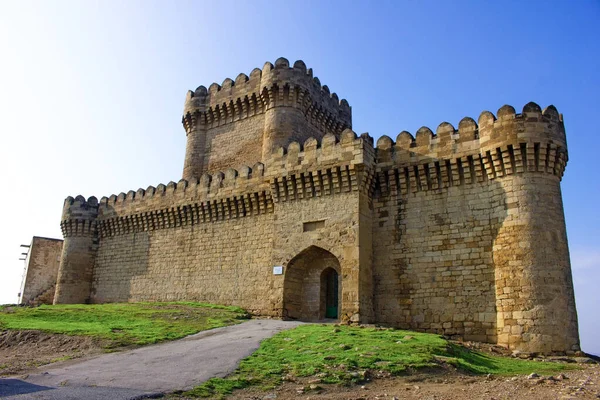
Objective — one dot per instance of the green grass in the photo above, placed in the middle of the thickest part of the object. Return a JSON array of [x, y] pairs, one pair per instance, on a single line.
[[341, 355], [122, 324]]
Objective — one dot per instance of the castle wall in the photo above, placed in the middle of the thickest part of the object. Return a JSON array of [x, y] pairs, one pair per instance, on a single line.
[[223, 262], [206, 240], [433, 266], [219, 238], [229, 261], [41, 271]]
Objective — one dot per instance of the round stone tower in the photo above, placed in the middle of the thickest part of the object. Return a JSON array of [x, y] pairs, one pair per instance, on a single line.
[[195, 129], [78, 225], [534, 290]]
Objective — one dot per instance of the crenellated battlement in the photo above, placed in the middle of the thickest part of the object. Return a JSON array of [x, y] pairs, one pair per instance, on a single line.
[[495, 146], [276, 85], [320, 167], [221, 184], [510, 143], [79, 216], [214, 197], [489, 132], [314, 153]]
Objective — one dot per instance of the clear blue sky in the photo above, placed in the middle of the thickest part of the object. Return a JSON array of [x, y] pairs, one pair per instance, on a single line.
[[91, 92]]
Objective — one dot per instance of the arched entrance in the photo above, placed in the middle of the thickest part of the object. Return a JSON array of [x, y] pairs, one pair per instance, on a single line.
[[312, 286]]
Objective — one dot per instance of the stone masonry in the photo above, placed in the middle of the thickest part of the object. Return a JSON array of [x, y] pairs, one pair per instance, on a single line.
[[41, 270], [459, 232]]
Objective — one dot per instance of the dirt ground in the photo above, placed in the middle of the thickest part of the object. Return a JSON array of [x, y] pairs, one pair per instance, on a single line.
[[23, 350], [445, 385]]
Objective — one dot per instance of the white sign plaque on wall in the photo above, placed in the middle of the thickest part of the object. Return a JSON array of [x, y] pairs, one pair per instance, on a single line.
[[278, 270]]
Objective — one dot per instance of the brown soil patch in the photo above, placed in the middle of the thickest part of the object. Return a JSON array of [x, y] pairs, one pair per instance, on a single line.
[[22, 350], [444, 385]]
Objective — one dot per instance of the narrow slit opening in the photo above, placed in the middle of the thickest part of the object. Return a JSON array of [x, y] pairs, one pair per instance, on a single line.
[[427, 176], [499, 155], [547, 161], [416, 172], [511, 154], [524, 155], [397, 179], [285, 187], [461, 172], [294, 187], [449, 172], [491, 163], [471, 163]]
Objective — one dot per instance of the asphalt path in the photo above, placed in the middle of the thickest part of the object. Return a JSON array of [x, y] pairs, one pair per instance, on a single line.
[[146, 372]]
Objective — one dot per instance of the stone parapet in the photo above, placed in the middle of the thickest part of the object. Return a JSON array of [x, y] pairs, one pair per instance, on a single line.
[[490, 133], [318, 168], [276, 85], [533, 141], [79, 216], [217, 197]]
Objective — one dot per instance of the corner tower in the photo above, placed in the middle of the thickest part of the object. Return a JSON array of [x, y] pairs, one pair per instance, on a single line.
[[241, 122], [526, 154], [78, 225], [477, 246]]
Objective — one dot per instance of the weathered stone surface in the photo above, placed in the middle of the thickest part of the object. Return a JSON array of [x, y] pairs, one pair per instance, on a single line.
[[41, 270], [460, 232]]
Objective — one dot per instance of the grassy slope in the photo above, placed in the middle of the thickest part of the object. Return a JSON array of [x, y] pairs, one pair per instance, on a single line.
[[339, 354], [122, 324]]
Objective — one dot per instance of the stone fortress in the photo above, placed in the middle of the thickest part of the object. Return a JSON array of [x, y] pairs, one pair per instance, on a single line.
[[283, 210]]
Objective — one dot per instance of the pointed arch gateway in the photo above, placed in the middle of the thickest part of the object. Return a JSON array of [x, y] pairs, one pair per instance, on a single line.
[[312, 286]]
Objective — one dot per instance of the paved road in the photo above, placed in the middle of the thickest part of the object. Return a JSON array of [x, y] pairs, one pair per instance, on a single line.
[[148, 371]]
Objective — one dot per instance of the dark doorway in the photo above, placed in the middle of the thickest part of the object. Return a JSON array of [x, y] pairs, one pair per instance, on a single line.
[[329, 285]]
